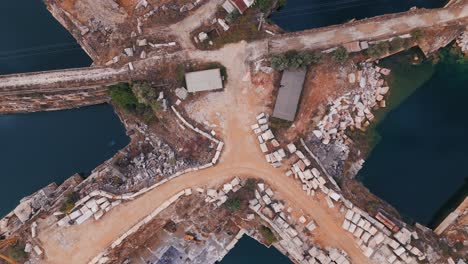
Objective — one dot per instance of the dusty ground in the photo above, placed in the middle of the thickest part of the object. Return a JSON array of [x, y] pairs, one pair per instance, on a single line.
[[238, 105], [242, 157]]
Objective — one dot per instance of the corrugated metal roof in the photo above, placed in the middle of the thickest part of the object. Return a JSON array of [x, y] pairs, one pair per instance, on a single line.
[[289, 93], [241, 6], [203, 80]]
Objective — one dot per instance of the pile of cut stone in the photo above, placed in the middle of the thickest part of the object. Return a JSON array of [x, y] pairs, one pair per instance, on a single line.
[[310, 177], [462, 42], [266, 138], [87, 208], [379, 243], [294, 242], [144, 168], [219, 197], [353, 110]]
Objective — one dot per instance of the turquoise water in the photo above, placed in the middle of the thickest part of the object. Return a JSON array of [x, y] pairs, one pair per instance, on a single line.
[[418, 164]]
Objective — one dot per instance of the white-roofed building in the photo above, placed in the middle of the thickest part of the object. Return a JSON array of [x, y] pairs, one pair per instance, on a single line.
[[206, 80]]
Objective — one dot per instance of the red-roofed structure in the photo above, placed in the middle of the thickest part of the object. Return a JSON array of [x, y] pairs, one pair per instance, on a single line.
[[240, 5]]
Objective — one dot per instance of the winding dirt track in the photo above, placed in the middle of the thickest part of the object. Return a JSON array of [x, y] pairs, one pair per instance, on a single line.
[[242, 157]]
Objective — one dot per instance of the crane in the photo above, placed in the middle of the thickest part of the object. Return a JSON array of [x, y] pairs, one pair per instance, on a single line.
[[5, 243]]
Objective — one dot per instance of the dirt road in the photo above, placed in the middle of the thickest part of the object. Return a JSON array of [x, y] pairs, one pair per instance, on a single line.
[[237, 106], [321, 38], [240, 103]]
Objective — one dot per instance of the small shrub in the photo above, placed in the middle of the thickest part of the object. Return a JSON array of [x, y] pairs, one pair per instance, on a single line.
[[264, 5], [250, 184], [117, 181], [276, 124], [378, 49], [397, 44], [417, 34], [282, 3], [17, 252], [233, 204], [231, 17], [122, 95], [268, 235], [294, 59], [70, 199], [180, 74], [340, 54]]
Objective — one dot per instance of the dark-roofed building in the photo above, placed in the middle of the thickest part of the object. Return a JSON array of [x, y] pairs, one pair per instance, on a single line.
[[289, 93]]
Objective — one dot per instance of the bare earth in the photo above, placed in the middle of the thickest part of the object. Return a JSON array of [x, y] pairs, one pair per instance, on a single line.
[[242, 157], [238, 105]]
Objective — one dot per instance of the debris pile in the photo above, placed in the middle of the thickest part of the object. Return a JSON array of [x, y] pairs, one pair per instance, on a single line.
[[160, 161], [293, 240], [379, 243], [353, 110], [267, 141], [462, 42], [86, 208], [218, 198]]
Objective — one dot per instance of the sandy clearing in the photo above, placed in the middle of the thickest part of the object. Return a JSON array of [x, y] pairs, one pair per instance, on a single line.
[[242, 157]]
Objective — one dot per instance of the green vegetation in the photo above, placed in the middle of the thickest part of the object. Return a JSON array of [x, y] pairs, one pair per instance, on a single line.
[[180, 74], [268, 235], [233, 204], [277, 123], [250, 184], [417, 34], [340, 54], [116, 181], [397, 43], [378, 49], [264, 5], [282, 3], [231, 17], [138, 98], [70, 199], [17, 252], [294, 59], [123, 97]]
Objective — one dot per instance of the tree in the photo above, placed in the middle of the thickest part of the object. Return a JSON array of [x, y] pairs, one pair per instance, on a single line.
[[268, 235], [279, 62], [294, 59], [122, 95], [233, 204], [340, 54], [378, 49]]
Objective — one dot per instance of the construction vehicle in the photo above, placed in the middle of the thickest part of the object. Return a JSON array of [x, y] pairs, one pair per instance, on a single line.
[[189, 237], [5, 243]]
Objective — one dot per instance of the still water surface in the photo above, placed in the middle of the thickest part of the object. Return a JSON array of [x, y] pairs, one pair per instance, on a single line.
[[39, 148], [418, 164], [306, 14]]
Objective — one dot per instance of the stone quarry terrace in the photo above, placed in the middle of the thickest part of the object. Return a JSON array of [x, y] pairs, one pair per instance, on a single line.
[[242, 156]]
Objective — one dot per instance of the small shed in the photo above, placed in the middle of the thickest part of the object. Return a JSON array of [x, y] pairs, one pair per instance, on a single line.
[[289, 93], [242, 5], [206, 80]]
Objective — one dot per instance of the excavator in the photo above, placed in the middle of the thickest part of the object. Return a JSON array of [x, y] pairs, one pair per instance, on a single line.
[[5, 243]]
